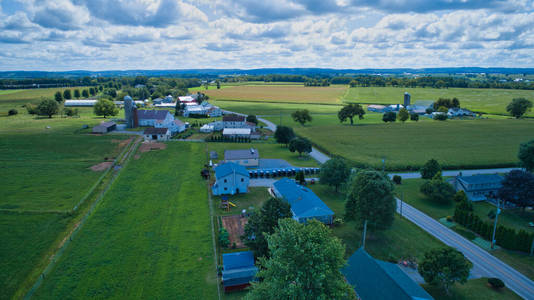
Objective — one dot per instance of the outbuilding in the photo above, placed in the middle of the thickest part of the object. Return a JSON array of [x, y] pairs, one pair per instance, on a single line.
[[236, 132], [245, 157], [105, 127], [238, 270], [157, 134]]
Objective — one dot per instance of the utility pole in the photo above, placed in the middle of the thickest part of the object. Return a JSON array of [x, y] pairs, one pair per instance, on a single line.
[[402, 200], [383, 164], [364, 233], [495, 225]]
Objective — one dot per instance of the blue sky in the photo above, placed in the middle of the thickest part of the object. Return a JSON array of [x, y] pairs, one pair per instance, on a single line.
[[183, 34]]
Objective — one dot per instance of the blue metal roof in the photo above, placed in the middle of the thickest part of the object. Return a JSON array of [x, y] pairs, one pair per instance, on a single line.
[[238, 260], [238, 268], [376, 279], [304, 203], [229, 168], [482, 178]]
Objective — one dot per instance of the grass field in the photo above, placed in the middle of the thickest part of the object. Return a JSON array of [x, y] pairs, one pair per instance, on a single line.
[[475, 289], [455, 144], [16, 98], [281, 93], [149, 238], [273, 108], [491, 101], [511, 218]]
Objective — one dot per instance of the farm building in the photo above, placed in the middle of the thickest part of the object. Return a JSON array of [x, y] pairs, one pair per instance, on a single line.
[[305, 205], [376, 279], [394, 107], [165, 105], [234, 121], [237, 132], [245, 157], [478, 187], [206, 128], [238, 270], [188, 98], [376, 108], [230, 179], [420, 106], [80, 103], [204, 109], [460, 112], [175, 126], [407, 98], [149, 117], [157, 134], [105, 127]]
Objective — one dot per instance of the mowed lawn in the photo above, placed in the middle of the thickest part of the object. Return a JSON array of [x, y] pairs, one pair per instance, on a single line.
[[454, 143], [281, 93], [491, 101], [149, 238], [16, 98]]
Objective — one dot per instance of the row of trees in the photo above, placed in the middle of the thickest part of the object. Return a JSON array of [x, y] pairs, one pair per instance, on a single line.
[[68, 94]]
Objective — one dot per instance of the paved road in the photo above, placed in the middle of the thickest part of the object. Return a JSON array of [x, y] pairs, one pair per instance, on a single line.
[[315, 154], [411, 175], [484, 264]]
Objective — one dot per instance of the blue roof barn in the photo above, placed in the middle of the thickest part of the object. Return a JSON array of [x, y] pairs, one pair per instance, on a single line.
[[238, 270]]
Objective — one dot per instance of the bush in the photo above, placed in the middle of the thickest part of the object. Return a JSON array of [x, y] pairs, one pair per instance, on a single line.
[[496, 283], [491, 214], [12, 112], [31, 108], [414, 117], [223, 237], [440, 117], [389, 117], [338, 221], [71, 112], [450, 219], [397, 179]]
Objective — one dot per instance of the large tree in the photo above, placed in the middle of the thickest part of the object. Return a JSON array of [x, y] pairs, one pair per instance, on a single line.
[[518, 107], [67, 94], [47, 107], [284, 135], [300, 145], [252, 119], [518, 188], [403, 115], [76, 93], [301, 116], [438, 190], [305, 263], [349, 112], [526, 155], [430, 169], [443, 267], [264, 222], [85, 93], [334, 172], [58, 96], [370, 198], [104, 107]]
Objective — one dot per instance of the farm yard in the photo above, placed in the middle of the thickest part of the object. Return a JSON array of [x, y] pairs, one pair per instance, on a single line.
[[149, 238]]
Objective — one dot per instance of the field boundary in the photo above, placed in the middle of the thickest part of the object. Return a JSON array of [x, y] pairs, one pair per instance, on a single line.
[[68, 238], [214, 243]]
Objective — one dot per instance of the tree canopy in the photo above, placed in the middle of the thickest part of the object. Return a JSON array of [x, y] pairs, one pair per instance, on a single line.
[[334, 172], [430, 169], [301, 116], [443, 267], [526, 155], [305, 263], [300, 145], [105, 108], [518, 188], [403, 115], [349, 112], [370, 197], [76, 93], [264, 222], [252, 119], [47, 107], [67, 94], [284, 135], [58, 96], [518, 107], [390, 116], [438, 190]]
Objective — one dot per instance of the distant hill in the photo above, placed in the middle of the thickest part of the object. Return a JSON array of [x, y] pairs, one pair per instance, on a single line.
[[263, 71]]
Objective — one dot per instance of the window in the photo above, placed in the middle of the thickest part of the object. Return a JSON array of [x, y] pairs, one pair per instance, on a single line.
[[225, 189], [225, 181], [242, 180]]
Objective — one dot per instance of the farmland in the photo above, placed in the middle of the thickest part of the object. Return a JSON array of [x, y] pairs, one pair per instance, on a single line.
[[270, 108], [491, 101], [16, 98], [149, 238], [281, 93]]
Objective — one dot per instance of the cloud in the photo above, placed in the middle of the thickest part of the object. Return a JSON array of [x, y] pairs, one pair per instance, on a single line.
[[62, 15], [222, 47], [12, 38]]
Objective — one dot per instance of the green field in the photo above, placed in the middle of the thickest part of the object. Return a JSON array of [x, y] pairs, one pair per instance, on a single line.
[[454, 143], [16, 98], [475, 289], [272, 108], [150, 237], [281, 93], [492, 101]]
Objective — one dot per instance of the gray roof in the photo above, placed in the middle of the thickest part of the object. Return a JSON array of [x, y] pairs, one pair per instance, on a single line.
[[152, 114], [426, 103], [156, 131], [482, 178], [233, 118], [107, 124], [251, 153]]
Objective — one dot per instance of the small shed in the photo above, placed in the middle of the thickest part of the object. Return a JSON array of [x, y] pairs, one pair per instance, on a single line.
[[105, 127], [238, 270], [157, 134]]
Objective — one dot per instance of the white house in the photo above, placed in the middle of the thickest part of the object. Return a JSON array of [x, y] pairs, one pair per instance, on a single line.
[[236, 132], [149, 117], [175, 126], [157, 134], [234, 121], [206, 128], [460, 112]]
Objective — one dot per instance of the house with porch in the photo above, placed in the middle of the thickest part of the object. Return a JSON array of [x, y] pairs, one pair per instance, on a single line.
[[230, 179], [305, 204], [480, 187]]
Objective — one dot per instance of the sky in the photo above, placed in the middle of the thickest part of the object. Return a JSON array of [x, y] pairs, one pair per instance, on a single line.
[[59, 35]]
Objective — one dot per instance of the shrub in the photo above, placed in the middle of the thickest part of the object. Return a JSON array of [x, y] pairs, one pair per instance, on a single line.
[[12, 112], [397, 179], [450, 219], [338, 221], [414, 117], [440, 117], [71, 112], [223, 237], [491, 214], [389, 117], [31, 108], [496, 283]]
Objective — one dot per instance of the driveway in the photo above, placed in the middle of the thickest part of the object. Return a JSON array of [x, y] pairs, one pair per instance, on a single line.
[[484, 264], [412, 175]]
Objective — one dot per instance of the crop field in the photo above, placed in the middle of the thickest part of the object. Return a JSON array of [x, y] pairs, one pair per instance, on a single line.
[[150, 236], [281, 93], [274, 109], [492, 101], [16, 98], [454, 143]]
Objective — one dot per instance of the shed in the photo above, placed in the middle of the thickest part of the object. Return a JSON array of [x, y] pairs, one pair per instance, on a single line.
[[159, 134], [376, 279], [238, 270], [236, 132], [305, 204], [245, 157], [105, 127]]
